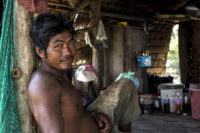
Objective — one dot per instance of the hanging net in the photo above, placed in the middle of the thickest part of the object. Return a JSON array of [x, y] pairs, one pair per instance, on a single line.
[[8, 115]]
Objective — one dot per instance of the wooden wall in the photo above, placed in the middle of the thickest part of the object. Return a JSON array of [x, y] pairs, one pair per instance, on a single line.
[[114, 54], [195, 52], [184, 51], [189, 49], [120, 56], [135, 41]]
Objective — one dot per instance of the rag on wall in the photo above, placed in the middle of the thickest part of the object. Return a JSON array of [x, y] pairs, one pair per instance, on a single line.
[[39, 6]]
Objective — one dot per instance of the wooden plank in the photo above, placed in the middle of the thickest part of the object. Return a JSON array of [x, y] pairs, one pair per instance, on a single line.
[[195, 79], [195, 70], [156, 70], [184, 37], [195, 45], [55, 10], [157, 41], [158, 49], [97, 54], [195, 64], [157, 44], [159, 33], [158, 56], [158, 63], [25, 62]]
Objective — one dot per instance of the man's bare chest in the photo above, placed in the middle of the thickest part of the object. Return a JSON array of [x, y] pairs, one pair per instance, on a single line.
[[70, 98]]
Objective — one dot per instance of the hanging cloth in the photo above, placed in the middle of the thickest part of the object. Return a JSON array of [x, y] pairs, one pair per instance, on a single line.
[[39, 6]]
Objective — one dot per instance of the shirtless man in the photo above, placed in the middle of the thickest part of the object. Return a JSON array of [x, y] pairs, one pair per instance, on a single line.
[[54, 102]]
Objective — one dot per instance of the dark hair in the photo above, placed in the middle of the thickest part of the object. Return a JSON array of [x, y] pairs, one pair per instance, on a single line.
[[48, 25]]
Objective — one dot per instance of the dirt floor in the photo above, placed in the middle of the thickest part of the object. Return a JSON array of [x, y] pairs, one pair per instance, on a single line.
[[158, 122]]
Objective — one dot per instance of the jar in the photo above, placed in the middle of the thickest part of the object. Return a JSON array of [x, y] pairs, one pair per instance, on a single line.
[[146, 103]]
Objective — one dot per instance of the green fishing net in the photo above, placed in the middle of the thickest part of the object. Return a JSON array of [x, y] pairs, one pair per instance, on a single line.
[[9, 122]]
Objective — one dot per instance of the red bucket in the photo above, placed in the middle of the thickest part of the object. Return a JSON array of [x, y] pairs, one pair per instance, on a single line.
[[195, 102]]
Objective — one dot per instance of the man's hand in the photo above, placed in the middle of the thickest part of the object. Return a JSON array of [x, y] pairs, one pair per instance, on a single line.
[[103, 122]]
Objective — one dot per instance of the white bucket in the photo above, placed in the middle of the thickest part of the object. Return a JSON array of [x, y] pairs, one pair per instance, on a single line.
[[170, 90]]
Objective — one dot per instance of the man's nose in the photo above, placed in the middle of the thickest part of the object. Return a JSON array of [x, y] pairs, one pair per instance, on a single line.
[[66, 50]]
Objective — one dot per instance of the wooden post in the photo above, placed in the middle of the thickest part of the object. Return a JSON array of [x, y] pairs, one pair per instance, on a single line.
[[97, 54], [24, 60], [184, 51]]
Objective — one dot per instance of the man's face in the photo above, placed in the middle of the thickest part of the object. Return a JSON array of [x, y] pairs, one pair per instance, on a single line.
[[60, 51]]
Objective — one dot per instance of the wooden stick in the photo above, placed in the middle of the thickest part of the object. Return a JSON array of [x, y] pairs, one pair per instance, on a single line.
[[178, 5], [80, 7], [97, 54]]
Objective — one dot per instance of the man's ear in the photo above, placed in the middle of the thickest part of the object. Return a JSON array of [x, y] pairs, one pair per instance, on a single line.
[[39, 52]]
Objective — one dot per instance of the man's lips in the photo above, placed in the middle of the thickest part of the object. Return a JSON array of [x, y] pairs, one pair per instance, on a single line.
[[67, 60]]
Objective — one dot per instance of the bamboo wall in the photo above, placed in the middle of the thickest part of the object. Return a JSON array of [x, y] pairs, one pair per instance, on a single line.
[[157, 42]]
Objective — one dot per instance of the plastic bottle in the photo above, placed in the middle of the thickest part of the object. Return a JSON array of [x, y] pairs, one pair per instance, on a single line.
[[178, 103], [166, 102], [142, 105]]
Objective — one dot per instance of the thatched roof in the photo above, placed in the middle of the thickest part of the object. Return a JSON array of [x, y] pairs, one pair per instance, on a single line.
[[139, 10]]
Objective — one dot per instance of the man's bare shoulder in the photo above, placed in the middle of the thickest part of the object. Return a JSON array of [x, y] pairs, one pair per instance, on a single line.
[[42, 82]]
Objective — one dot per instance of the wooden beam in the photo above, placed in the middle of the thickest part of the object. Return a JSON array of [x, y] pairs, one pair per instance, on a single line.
[[62, 11], [80, 7], [97, 54], [178, 5], [185, 36], [58, 4], [172, 17], [119, 16], [25, 62], [173, 7]]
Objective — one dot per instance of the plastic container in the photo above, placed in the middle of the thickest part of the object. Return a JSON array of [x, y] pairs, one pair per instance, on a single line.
[[186, 104], [166, 104], [144, 61], [178, 102], [170, 89], [157, 103], [195, 100], [146, 104]]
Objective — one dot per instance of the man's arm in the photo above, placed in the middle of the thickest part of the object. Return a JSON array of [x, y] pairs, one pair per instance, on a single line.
[[45, 101]]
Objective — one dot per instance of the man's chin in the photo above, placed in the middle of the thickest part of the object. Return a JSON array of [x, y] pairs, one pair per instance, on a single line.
[[66, 68]]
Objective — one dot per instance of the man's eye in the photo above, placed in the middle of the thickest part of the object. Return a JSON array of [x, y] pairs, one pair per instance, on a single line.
[[58, 46]]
